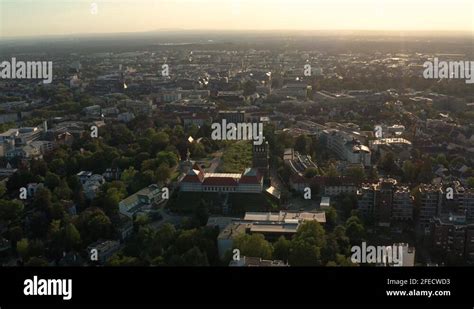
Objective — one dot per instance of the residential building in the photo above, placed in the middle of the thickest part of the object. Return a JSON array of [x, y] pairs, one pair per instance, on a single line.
[[402, 205], [105, 249], [347, 147], [386, 201], [431, 198], [144, 198], [453, 234]]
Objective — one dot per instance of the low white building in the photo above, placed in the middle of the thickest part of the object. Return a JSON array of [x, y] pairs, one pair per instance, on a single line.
[[347, 147], [135, 202]]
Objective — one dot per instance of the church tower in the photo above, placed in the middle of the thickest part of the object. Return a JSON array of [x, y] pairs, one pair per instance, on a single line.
[[260, 156]]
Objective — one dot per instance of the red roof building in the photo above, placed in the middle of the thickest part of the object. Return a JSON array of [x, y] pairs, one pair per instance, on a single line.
[[197, 180]]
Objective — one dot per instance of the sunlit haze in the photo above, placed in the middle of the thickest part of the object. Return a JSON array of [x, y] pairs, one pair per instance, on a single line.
[[56, 17]]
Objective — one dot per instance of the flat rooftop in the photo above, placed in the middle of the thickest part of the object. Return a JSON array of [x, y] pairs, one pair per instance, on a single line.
[[223, 175], [233, 230], [283, 216], [274, 228]]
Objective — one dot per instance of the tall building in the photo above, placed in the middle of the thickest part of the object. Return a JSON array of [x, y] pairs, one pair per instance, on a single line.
[[462, 200], [454, 235], [435, 200], [431, 197], [366, 200], [386, 201], [347, 147], [402, 205], [260, 157]]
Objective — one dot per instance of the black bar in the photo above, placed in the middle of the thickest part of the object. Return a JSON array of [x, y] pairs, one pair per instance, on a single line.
[[353, 285]]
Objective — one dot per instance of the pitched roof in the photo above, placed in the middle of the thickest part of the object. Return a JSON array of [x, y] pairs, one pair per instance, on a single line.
[[197, 167], [220, 181], [250, 176], [196, 174]]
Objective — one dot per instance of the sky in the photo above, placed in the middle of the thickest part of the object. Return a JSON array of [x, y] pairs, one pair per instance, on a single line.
[[65, 17]]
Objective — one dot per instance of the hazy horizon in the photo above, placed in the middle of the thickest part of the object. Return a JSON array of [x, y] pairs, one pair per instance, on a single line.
[[30, 18]]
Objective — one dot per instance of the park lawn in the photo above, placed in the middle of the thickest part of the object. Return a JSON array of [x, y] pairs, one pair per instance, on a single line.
[[236, 158]]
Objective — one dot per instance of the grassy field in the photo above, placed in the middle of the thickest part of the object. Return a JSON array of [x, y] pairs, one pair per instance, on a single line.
[[237, 156]]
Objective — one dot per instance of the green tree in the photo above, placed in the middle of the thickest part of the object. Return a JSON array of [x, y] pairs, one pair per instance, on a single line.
[[355, 230], [128, 175], [39, 223], [357, 174], [159, 141], [62, 191], [3, 189], [124, 261], [281, 249], [21, 179], [195, 257], [142, 220], [71, 239], [10, 210], [201, 213], [253, 245], [22, 248], [197, 150], [165, 234], [120, 135], [304, 253], [410, 171], [311, 232], [303, 144], [470, 182], [109, 201], [163, 173], [343, 241], [387, 164], [426, 171], [42, 200], [51, 180], [167, 157], [36, 262], [331, 248], [310, 172], [249, 87], [93, 224], [331, 218], [15, 233], [332, 172], [441, 159]]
